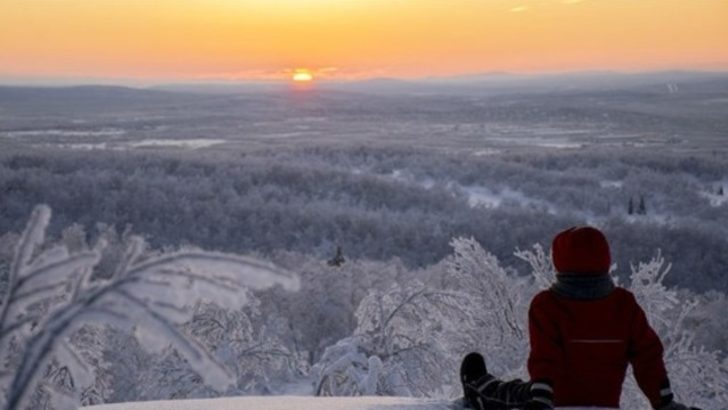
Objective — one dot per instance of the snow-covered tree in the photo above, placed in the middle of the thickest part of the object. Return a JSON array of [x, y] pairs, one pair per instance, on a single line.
[[497, 304], [126, 364], [242, 340], [347, 369], [698, 376], [401, 346], [322, 312], [51, 292], [234, 338]]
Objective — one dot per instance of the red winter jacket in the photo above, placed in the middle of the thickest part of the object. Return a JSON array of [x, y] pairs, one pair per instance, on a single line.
[[583, 347]]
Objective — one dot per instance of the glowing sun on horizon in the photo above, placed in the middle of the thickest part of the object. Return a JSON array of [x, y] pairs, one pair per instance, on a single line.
[[302, 76]]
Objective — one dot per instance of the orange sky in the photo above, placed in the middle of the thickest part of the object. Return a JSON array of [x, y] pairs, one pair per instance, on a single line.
[[345, 39]]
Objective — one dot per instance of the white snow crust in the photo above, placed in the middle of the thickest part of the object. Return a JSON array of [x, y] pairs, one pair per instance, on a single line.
[[294, 402], [283, 403]]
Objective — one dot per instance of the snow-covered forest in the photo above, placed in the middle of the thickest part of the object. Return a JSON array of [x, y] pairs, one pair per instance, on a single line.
[[382, 176], [188, 243]]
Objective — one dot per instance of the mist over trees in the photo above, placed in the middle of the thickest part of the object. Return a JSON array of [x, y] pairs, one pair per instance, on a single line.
[[383, 203]]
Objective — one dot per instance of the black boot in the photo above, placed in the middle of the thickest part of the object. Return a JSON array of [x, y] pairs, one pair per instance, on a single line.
[[473, 372], [472, 368]]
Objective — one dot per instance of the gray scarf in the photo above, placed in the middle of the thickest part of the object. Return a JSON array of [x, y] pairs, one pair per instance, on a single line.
[[582, 287]]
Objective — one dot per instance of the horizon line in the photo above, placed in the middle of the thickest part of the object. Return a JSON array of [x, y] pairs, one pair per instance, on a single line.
[[145, 82]]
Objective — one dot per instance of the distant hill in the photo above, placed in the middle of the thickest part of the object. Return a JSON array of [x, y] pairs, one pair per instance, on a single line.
[[84, 95], [78, 100], [500, 83], [471, 84], [223, 88], [494, 83]]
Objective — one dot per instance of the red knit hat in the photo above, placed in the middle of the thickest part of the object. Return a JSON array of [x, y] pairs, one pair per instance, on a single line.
[[581, 250]]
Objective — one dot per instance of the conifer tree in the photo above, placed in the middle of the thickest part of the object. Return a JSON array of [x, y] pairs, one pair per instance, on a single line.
[[642, 209], [338, 259]]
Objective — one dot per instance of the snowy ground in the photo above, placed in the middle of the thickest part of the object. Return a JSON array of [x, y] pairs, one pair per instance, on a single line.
[[295, 403], [284, 403]]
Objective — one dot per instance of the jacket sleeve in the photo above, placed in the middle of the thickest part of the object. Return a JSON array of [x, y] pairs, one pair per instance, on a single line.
[[645, 355], [546, 358]]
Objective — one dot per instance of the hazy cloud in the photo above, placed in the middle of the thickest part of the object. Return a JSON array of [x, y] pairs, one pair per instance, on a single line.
[[325, 72]]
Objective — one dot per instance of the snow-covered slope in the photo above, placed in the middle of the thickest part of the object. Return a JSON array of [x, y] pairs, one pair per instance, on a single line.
[[283, 403]]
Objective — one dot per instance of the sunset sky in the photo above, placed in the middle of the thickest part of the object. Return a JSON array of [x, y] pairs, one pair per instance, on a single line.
[[206, 40]]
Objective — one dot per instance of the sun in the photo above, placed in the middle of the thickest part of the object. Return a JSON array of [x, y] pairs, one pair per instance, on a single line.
[[302, 76]]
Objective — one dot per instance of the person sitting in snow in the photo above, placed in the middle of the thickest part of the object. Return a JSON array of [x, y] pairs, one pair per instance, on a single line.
[[583, 331]]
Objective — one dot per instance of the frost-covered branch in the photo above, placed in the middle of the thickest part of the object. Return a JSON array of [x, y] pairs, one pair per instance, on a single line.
[[51, 293], [540, 262]]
